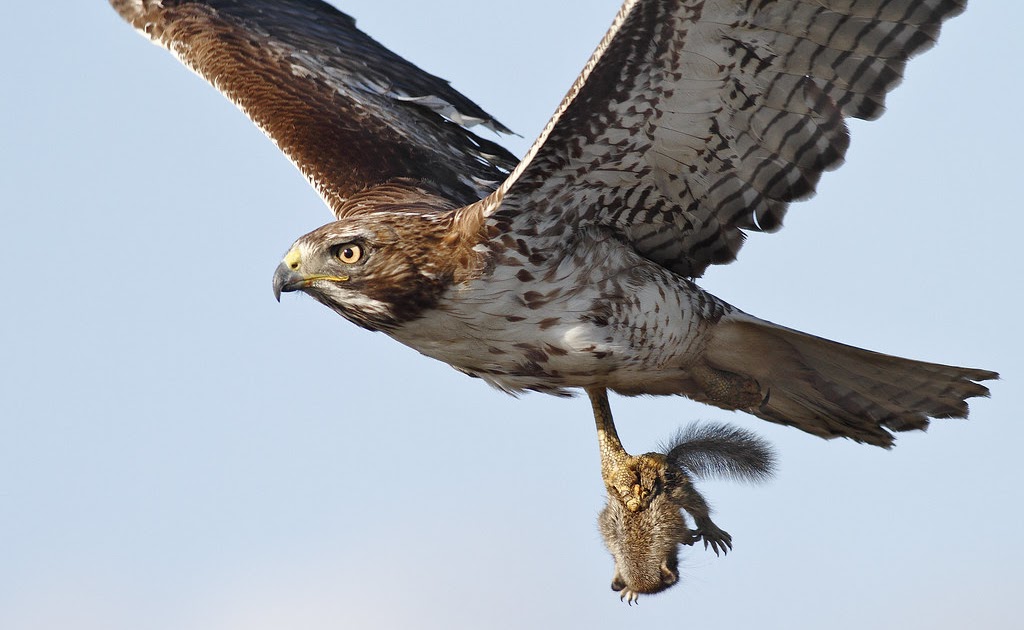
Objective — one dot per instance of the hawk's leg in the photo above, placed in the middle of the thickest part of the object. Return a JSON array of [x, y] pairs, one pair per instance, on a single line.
[[636, 480], [641, 522], [632, 479], [644, 520]]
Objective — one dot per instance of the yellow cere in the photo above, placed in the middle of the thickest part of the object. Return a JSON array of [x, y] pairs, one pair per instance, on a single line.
[[293, 258]]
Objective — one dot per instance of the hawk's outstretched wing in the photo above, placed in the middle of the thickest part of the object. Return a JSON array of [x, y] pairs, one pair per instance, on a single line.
[[347, 111], [698, 119]]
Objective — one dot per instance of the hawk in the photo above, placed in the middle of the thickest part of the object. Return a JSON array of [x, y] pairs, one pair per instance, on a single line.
[[694, 123]]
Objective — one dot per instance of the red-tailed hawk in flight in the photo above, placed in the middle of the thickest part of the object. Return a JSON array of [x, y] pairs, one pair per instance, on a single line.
[[693, 123]]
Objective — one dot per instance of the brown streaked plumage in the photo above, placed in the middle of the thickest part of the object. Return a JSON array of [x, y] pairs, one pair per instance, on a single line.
[[695, 122], [350, 114]]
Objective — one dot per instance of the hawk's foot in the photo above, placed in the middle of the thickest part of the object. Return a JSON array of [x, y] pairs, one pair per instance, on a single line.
[[635, 480]]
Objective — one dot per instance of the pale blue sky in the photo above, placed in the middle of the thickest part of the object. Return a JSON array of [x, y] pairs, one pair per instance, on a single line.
[[177, 450]]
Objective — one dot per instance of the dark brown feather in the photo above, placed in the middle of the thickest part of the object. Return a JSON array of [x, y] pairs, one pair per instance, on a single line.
[[348, 112]]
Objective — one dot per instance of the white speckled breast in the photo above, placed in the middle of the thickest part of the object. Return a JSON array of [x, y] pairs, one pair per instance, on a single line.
[[591, 314]]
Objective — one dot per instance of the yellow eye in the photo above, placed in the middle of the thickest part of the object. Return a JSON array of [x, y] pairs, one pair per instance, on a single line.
[[350, 253]]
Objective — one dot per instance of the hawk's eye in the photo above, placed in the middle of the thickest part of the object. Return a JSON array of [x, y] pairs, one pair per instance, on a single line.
[[349, 253]]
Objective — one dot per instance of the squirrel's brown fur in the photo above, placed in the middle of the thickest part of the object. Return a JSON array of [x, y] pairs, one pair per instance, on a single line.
[[643, 523]]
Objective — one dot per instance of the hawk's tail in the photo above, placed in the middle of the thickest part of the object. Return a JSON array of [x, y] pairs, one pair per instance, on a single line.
[[826, 388]]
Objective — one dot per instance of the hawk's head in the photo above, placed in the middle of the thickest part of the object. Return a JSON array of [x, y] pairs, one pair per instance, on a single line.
[[377, 269]]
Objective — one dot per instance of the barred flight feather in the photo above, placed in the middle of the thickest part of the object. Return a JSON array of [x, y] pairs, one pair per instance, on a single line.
[[721, 112]]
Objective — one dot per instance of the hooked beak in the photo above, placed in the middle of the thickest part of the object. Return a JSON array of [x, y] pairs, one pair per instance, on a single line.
[[288, 276], [286, 280]]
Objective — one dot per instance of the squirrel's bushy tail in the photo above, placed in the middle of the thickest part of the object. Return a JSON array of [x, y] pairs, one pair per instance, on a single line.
[[710, 450]]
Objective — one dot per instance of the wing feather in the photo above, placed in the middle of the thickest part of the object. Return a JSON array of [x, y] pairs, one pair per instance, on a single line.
[[348, 112], [696, 121]]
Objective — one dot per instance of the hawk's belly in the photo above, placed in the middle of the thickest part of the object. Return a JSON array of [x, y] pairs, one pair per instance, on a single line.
[[622, 323]]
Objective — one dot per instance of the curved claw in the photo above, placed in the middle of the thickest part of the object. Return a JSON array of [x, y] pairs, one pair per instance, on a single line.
[[714, 546], [629, 597], [720, 540], [720, 547]]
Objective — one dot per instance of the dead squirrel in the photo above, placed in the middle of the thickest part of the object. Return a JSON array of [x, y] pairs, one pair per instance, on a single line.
[[644, 526]]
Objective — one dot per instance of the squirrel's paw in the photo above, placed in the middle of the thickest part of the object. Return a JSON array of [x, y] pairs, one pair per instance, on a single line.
[[718, 538]]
